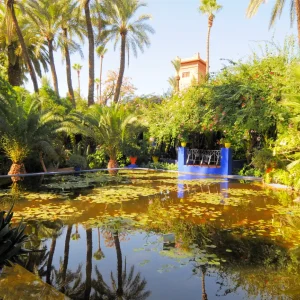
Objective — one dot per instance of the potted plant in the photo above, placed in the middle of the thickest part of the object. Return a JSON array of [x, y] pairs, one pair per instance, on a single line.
[[183, 137], [132, 150], [226, 141], [77, 161], [155, 153]]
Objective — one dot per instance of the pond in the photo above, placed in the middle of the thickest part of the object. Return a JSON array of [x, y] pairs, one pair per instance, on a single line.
[[154, 235]]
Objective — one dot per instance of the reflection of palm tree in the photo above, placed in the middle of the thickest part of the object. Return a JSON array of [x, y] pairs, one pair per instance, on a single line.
[[76, 236], [98, 255], [203, 271], [88, 268], [66, 258], [128, 286]]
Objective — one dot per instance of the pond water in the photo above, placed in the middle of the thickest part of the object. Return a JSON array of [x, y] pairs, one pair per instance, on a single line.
[[153, 235]]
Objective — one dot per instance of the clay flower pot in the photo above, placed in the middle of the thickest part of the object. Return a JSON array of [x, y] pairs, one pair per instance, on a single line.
[[133, 159]]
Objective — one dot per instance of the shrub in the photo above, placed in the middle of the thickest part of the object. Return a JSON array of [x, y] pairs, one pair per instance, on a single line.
[[98, 160], [76, 160]]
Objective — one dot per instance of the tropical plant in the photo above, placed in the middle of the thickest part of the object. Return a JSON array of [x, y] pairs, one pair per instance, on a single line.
[[133, 34], [85, 4], [14, 60], [12, 19], [26, 127], [209, 8], [46, 16], [277, 11], [77, 68], [107, 126], [177, 64], [77, 161], [101, 51], [11, 240], [72, 25]]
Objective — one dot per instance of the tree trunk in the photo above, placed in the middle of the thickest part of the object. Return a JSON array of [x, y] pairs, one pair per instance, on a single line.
[[91, 53], [68, 68], [122, 68], [50, 260], [210, 23], [78, 76], [52, 66], [10, 8], [42, 162], [14, 70], [101, 64], [119, 265], [112, 164], [177, 83], [88, 268], [66, 258], [298, 19]]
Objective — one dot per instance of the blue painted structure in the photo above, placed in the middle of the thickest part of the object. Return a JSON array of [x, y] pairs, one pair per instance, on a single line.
[[225, 167]]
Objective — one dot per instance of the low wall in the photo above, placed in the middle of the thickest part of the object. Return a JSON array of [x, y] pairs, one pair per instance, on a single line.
[[225, 167]]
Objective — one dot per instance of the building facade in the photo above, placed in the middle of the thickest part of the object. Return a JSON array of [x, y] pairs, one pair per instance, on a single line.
[[192, 71]]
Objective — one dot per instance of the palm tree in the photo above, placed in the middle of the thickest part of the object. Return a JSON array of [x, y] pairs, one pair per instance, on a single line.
[[46, 16], [9, 43], [133, 34], [177, 64], [277, 11], [77, 68], [209, 8], [106, 126], [72, 25], [97, 82], [172, 82], [26, 127], [90, 34], [101, 51], [14, 21]]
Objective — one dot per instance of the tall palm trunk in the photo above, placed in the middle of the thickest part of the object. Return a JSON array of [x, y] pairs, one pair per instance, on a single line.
[[122, 68], [119, 264], [177, 82], [100, 79], [14, 70], [78, 77], [10, 8], [297, 5], [88, 268], [52, 66], [66, 258], [210, 23], [91, 53], [50, 259], [68, 68]]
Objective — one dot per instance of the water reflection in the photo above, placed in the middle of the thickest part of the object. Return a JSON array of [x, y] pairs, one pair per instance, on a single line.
[[220, 240]]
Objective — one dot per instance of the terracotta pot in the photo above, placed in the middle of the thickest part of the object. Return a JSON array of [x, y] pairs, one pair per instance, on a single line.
[[111, 165], [227, 145], [16, 169], [133, 159], [183, 144], [155, 159]]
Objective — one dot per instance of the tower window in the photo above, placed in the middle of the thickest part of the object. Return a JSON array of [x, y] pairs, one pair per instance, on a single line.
[[185, 74]]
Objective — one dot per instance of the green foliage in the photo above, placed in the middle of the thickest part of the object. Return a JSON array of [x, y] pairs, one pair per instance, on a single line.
[[248, 171], [279, 176], [263, 159], [77, 160], [11, 239], [97, 160]]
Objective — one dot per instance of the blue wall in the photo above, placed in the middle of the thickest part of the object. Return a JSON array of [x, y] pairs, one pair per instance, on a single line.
[[224, 169]]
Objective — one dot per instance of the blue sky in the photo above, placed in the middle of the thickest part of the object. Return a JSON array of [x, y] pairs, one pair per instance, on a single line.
[[181, 31]]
